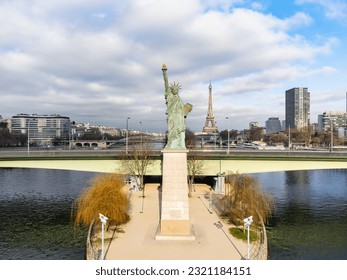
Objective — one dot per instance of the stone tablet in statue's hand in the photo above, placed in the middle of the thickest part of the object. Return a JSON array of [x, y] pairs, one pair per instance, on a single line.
[[187, 108]]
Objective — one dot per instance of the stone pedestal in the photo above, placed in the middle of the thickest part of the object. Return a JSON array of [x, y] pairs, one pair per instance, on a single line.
[[174, 221]]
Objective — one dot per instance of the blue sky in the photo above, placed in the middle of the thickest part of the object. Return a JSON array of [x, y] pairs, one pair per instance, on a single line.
[[99, 61]]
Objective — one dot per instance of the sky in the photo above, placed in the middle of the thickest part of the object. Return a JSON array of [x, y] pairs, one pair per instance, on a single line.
[[99, 61]]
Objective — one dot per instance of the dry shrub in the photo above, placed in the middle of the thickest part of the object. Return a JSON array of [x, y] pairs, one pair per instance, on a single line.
[[105, 196], [245, 198]]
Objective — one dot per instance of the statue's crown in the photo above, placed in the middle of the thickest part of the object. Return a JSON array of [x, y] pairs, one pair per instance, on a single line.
[[175, 86]]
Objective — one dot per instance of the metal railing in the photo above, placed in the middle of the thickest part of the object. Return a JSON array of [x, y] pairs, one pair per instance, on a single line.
[[259, 249], [92, 253]]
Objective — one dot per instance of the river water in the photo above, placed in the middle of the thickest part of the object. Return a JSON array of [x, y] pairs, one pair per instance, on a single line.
[[35, 214], [310, 215], [309, 219]]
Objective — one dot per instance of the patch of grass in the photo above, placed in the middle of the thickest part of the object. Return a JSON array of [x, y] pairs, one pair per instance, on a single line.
[[239, 234]]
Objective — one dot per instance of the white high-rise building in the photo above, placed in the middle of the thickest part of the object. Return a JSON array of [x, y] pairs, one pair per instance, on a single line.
[[297, 108]]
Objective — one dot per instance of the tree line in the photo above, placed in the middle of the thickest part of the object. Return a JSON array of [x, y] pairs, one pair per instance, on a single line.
[[8, 139], [306, 137]]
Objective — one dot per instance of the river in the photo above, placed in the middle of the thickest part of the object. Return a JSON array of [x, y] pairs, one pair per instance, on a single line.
[[35, 214], [309, 219], [310, 216]]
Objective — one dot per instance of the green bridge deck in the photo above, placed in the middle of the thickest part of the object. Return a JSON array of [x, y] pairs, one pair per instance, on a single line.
[[213, 163]]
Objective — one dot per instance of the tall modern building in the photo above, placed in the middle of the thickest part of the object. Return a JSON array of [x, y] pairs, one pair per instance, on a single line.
[[42, 129], [297, 108], [273, 125]]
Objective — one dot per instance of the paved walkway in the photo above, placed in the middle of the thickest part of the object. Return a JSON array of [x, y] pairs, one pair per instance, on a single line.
[[212, 240]]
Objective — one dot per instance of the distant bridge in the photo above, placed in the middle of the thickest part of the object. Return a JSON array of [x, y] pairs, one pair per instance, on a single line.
[[213, 164], [105, 143]]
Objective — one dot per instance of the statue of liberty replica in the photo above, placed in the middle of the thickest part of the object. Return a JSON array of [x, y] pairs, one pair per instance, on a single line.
[[176, 113], [174, 215]]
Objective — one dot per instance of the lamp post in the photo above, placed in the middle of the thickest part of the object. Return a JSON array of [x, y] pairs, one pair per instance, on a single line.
[[141, 131], [215, 140], [103, 220], [289, 144], [29, 137], [331, 135], [210, 205], [247, 222], [70, 136], [228, 138], [127, 136], [141, 181]]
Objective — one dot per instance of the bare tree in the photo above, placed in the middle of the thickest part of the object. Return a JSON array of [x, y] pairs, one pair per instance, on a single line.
[[92, 134], [195, 165], [256, 134], [190, 139], [138, 161], [307, 132], [6, 138], [245, 198], [275, 138]]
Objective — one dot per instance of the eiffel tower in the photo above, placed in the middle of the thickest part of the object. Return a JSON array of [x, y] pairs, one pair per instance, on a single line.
[[210, 124]]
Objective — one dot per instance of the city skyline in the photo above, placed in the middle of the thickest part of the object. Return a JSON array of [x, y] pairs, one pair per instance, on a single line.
[[100, 61]]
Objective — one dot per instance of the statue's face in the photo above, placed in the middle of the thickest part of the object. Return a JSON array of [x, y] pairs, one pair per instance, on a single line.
[[174, 91], [175, 88]]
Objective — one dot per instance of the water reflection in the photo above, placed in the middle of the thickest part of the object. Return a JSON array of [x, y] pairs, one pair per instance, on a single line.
[[35, 214], [310, 218]]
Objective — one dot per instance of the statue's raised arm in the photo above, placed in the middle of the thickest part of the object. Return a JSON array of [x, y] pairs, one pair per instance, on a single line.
[[166, 81]]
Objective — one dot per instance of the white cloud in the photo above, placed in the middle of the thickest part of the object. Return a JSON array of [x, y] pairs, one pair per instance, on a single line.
[[297, 20], [268, 79], [258, 6], [100, 15], [334, 9], [52, 54], [220, 5]]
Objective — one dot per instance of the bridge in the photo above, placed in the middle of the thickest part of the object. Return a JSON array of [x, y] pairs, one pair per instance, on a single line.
[[214, 163], [105, 143]]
